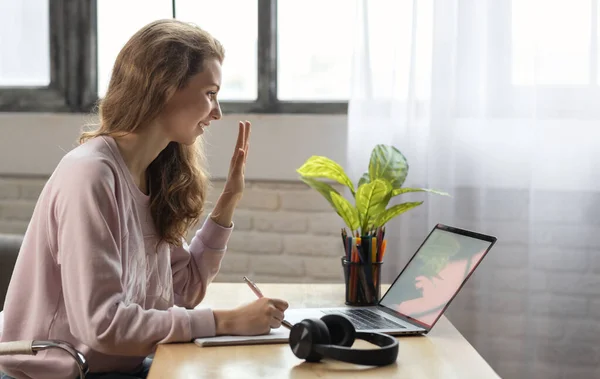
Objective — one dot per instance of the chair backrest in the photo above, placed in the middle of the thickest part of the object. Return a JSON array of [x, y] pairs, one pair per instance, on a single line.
[[10, 244], [33, 347]]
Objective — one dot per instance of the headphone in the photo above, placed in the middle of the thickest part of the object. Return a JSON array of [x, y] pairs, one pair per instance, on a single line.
[[331, 337]]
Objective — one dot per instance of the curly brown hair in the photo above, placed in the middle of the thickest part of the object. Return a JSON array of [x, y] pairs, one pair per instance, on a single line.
[[156, 61]]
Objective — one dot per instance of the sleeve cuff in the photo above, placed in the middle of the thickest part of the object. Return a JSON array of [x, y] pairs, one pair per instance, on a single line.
[[202, 323], [213, 235]]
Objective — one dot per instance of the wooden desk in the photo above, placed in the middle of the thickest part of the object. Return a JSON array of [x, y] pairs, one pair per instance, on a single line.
[[443, 353]]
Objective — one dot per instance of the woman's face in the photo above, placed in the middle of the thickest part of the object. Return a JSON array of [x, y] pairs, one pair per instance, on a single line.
[[192, 108]]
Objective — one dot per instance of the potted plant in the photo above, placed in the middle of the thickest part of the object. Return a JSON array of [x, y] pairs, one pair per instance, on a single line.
[[368, 214], [388, 169]]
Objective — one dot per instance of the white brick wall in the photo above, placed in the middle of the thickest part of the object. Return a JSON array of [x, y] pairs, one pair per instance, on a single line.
[[17, 200], [532, 309], [285, 232], [533, 306]]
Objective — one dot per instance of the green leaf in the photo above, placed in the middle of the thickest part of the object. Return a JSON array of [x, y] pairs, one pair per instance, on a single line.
[[323, 167], [394, 211], [364, 179], [399, 191], [387, 162], [323, 188], [371, 199], [346, 211]]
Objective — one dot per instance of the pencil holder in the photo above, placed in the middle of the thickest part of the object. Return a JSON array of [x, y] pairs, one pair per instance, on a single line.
[[363, 282]]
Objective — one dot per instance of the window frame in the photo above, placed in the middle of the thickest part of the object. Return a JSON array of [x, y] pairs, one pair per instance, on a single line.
[[267, 101], [73, 71]]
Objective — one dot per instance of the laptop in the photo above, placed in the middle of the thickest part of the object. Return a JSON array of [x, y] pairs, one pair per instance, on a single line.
[[422, 291]]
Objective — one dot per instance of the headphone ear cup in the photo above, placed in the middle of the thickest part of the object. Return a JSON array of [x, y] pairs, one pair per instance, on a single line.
[[341, 330], [304, 335]]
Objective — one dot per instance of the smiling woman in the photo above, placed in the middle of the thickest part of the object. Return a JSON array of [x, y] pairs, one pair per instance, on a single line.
[[115, 274], [184, 64]]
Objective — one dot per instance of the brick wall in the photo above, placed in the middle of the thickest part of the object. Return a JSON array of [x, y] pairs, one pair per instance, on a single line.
[[285, 232], [17, 200], [532, 309]]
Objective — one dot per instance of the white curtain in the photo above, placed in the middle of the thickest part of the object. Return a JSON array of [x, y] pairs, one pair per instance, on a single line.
[[497, 103]]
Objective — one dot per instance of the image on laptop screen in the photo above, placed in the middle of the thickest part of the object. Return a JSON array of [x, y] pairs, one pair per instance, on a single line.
[[434, 275]]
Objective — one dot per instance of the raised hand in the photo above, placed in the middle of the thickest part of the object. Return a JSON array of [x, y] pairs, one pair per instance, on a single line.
[[222, 214], [235, 180]]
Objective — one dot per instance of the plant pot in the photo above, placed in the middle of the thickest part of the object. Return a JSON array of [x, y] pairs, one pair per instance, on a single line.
[[362, 281]]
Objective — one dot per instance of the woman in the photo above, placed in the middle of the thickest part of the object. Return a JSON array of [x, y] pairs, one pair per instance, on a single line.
[[103, 261]]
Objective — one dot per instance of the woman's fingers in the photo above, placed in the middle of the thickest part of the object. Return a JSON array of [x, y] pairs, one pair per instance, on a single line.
[[282, 305], [239, 161], [247, 136], [241, 139], [275, 323], [239, 144], [277, 314]]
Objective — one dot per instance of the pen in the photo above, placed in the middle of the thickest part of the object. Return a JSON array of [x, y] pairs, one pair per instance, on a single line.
[[258, 293], [253, 287]]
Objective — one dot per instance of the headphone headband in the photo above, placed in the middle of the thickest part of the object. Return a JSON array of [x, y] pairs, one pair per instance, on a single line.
[[368, 357], [333, 335]]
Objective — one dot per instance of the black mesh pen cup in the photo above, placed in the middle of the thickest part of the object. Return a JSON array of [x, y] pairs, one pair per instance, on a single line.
[[362, 281]]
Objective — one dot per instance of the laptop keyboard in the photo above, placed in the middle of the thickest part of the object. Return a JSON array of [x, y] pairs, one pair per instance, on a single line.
[[365, 319]]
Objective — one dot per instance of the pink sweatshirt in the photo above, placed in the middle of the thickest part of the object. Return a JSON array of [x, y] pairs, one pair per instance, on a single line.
[[90, 272]]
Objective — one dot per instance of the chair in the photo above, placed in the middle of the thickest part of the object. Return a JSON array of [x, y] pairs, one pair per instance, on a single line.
[[10, 244], [9, 250], [32, 348]]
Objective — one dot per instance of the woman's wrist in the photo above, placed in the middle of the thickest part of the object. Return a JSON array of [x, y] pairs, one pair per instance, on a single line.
[[223, 211], [224, 324]]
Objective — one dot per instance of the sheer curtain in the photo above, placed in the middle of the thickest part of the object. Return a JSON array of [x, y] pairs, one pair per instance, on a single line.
[[497, 103]]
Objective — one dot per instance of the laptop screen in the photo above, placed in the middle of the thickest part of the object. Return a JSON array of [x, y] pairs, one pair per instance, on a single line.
[[436, 273]]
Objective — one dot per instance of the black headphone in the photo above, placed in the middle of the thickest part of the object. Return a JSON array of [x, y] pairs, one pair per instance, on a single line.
[[331, 337]]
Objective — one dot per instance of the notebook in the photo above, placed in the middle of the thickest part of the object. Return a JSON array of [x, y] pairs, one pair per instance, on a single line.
[[279, 335]]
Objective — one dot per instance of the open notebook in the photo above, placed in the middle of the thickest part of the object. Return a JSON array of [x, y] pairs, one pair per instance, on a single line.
[[279, 335]]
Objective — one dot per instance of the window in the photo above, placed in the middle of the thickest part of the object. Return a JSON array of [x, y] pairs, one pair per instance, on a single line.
[[553, 65], [289, 57], [273, 62], [281, 56], [46, 55], [238, 32], [314, 61], [117, 22], [24, 67], [551, 42], [533, 56]]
